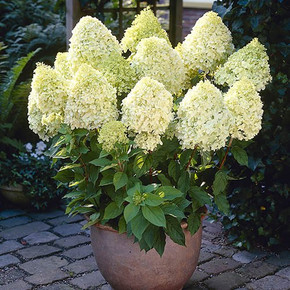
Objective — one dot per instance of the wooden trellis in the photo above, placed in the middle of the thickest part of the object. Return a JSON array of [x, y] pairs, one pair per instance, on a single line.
[[74, 13]]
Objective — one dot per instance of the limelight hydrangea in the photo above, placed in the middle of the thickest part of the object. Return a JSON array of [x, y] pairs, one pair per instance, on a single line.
[[203, 118], [245, 105], [62, 65], [145, 25], [112, 133], [92, 100], [92, 43], [46, 102], [147, 111], [208, 45], [158, 60], [250, 62]]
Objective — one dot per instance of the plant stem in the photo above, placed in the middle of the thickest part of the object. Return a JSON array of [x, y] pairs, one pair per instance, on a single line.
[[225, 157], [191, 156], [85, 167], [120, 166]]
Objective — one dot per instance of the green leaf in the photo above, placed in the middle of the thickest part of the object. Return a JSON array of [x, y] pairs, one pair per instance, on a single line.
[[122, 225], [183, 182], [150, 234], [173, 170], [185, 157], [93, 220], [139, 225], [222, 203], [142, 163], [194, 222], [130, 211], [200, 195], [94, 174], [101, 162], [169, 192], [182, 202], [172, 209], [106, 180], [65, 176], [220, 182], [159, 242], [153, 199], [240, 155], [120, 179], [164, 180], [154, 215], [112, 211], [174, 230]]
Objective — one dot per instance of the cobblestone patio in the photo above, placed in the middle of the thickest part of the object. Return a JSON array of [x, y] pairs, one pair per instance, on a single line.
[[50, 251]]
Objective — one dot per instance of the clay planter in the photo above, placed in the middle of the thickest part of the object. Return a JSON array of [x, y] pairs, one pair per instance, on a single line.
[[125, 267], [15, 194]]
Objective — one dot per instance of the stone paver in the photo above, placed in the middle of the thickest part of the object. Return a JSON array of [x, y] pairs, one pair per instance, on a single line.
[[225, 251], [269, 283], [92, 279], [43, 265], [40, 238], [284, 273], [46, 277], [57, 286], [15, 221], [10, 275], [17, 285], [72, 241], [65, 220], [46, 215], [220, 265], [87, 265], [38, 251], [282, 259], [7, 260], [9, 246], [67, 229], [23, 230], [244, 257], [79, 252], [4, 214], [205, 256]]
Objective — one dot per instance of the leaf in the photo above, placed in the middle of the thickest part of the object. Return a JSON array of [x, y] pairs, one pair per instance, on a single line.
[[164, 180], [174, 230], [184, 182], [139, 225], [182, 202], [173, 170], [159, 243], [169, 192], [150, 234], [172, 209], [240, 155], [200, 195], [120, 179], [106, 180], [93, 219], [154, 215], [194, 222], [112, 211], [153, 199], [94, 174], [130, 211], [185, 157], [101, 162], [142, 164], [122, 225], [65, 176], [220, 182], [222, 203]]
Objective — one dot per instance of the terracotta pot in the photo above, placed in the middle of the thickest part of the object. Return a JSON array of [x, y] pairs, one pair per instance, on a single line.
[[126, 268], [15, 194]]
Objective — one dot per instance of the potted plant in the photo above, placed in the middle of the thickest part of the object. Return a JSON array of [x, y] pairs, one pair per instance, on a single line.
[[26, 178], [145, 138]]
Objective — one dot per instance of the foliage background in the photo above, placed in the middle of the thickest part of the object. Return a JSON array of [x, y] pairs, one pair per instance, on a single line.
[[259, 210]]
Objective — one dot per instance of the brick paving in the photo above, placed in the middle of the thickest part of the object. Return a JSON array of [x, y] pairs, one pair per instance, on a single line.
[[50, 251]]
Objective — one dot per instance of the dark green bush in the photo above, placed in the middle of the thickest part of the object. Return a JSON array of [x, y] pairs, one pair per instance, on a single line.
[[259, 212]]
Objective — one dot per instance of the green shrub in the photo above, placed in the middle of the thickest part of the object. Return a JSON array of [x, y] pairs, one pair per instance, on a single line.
[[259, 211]]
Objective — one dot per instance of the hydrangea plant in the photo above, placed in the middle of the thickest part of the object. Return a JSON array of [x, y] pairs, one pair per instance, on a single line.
[[146, 137]]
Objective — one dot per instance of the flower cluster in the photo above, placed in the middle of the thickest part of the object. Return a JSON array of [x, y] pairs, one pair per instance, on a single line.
[[245, 105], [147, 111], [92, 100], [46, 102], [112, 133], [204, 120], [139, 30], [249, 62], [156, 59], [92, 43], [62, 65], [208, 45]]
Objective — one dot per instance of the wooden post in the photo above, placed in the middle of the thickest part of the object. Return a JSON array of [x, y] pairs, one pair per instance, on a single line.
[[175, 21], [73, 15]]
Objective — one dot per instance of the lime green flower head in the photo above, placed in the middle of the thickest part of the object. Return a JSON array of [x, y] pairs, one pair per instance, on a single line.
[[62, 65], [92, 100], [112, 133], [249, 62], [203, 119], [245, 105], [156, 59], [208, 45], [145, 25]]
